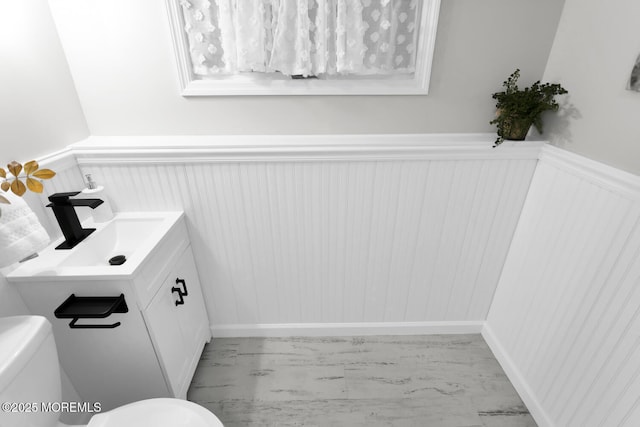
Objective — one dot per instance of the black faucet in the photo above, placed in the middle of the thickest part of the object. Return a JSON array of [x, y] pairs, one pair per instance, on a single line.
[[65, 212]]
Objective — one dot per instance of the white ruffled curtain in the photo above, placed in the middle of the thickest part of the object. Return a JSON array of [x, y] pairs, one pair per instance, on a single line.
[[302, 37]]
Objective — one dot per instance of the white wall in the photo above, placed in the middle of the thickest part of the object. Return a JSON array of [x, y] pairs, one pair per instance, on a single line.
[[122, 62], [39, 111], [39, 108], [565, 319], [592, 56]]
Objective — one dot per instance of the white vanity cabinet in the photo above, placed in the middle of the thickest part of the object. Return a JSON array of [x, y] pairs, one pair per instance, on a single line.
[[177, 322], [155, 347]]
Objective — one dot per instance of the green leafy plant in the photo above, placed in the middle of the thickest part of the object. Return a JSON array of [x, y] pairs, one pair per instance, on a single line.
[[518, 109], [32, 174]]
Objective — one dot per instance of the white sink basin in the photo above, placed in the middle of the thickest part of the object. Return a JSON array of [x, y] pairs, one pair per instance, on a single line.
[[133, 235], [122, 236]]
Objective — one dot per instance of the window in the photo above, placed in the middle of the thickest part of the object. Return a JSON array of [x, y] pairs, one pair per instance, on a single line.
[[303, 47]]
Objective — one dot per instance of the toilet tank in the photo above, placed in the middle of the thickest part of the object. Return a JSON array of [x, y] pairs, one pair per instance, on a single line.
[[29, 371]]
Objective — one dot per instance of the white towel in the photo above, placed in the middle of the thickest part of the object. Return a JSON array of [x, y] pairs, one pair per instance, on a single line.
[[21, 234]]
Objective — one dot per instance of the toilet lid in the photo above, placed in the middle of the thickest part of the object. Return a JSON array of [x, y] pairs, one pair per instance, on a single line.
[[157, 413]]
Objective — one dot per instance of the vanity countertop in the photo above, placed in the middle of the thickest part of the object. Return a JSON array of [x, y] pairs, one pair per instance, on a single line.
[[132, 234]]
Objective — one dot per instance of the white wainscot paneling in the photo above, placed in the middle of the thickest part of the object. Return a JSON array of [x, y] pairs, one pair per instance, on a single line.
[[358, 234], [565, 320]]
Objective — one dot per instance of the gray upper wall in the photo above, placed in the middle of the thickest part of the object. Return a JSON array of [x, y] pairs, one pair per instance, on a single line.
[[593, 54], [122, 61], [39, 108]]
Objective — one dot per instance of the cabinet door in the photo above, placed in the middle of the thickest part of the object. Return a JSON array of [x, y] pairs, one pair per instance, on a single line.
[[112, 366], [163, 323], [192, 315]]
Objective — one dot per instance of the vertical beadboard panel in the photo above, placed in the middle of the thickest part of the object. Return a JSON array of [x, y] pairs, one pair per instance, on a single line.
[[566, 311], [337, 241]]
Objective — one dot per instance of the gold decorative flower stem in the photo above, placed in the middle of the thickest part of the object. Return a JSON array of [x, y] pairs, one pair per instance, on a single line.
[[16, 185]]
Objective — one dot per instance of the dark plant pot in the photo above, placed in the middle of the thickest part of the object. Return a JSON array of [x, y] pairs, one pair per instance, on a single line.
[[515, 128]]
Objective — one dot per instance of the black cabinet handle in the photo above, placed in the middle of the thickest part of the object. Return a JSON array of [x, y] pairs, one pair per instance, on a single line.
[[181, 292], [184, 286], [180, 295]]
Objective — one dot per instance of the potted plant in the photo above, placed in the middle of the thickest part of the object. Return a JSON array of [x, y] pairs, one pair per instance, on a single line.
[[518, 109]]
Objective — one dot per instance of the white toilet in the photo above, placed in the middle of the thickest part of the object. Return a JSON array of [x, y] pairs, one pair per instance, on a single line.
[[30, 375]]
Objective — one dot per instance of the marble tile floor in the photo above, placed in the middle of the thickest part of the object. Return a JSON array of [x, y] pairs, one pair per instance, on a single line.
[[434, 380]]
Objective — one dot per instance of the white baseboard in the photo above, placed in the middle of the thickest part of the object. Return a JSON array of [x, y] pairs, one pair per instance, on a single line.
[[517, 380], [347, 329]]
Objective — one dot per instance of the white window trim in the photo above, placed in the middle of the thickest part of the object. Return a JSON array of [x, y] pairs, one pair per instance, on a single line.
[[246, 85]]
